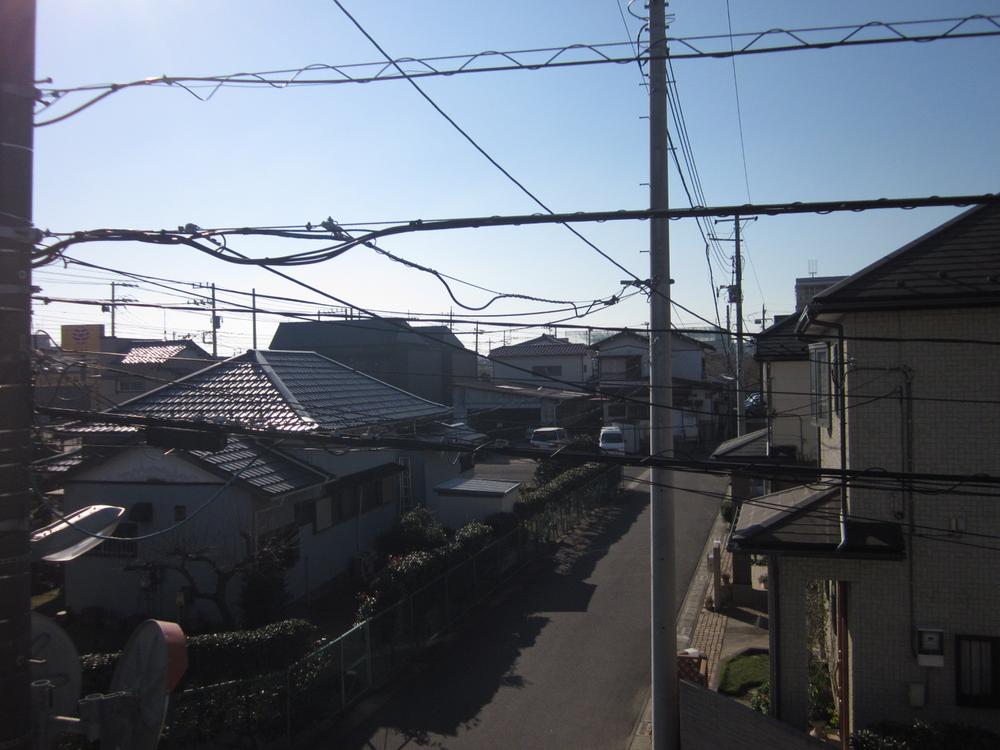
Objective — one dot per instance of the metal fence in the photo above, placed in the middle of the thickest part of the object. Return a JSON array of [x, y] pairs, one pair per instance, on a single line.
[[272, 710]]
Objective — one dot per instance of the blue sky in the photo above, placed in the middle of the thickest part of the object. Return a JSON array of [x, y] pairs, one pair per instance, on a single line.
[[888, 120]]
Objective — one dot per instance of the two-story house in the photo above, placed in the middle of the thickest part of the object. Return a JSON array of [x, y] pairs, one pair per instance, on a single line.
[[422, 360], [544, 360], [891, 553], [193, 510], [623, 379]]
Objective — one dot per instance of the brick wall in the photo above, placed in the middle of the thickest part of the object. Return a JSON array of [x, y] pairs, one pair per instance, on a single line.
[[710, 721]]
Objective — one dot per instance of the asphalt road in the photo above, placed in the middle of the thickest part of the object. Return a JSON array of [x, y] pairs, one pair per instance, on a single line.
[[560, 659]]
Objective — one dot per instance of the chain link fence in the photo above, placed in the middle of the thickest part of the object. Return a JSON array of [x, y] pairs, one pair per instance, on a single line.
[[272, 710]]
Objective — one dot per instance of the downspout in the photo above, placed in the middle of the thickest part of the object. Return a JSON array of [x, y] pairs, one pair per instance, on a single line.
[[841, 381], [906, 429]]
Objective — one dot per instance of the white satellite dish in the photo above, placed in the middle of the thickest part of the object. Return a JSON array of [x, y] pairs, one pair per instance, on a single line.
[[154, 660], [72, 535], [54, 659]]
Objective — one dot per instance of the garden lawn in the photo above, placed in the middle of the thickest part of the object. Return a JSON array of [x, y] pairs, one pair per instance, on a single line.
[[742, 673]]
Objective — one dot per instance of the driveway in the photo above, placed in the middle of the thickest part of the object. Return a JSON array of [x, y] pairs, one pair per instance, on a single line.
[[560, 658]]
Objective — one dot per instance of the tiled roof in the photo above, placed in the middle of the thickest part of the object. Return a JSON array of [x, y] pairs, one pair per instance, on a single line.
[[275, 391], [780, 342], [542, 346], [154, 354], [956, 264], [264, 469]]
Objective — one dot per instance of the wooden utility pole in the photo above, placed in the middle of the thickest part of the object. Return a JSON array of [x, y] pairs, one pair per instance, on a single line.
[[663, 605], [17, 236]]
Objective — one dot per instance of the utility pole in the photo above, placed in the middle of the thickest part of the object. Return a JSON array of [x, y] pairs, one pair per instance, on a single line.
[[114, 285], [17, 235], [253, 305], [741, 408], [736, 298], [663, 604], [215, 326]]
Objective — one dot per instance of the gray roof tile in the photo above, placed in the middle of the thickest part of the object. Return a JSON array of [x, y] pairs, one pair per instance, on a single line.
[[276, 391]]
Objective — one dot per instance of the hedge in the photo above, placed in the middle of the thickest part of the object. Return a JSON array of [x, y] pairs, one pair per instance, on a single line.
[[218, 657], [888, 735], [535, 501]]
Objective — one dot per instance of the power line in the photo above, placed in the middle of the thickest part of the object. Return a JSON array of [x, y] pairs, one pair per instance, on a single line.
[[712, 46], [476, 145]]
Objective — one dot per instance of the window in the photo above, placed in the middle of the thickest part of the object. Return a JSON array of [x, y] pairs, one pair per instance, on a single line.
[[633, 368], [551, 370], [347, 502], [305, 513], [819, 382], [977, 682], [141, 513], [405, 486], [121, 547]]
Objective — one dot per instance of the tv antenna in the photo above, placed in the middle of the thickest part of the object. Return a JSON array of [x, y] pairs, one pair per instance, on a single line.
[[813, 267]]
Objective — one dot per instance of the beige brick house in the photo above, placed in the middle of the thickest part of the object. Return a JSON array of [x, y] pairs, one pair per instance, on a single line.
[[905, 361]]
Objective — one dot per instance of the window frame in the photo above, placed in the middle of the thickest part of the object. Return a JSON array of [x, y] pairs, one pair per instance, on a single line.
[[981, 700]]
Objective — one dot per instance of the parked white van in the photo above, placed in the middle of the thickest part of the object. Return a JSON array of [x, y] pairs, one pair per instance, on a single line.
[[612, 440]]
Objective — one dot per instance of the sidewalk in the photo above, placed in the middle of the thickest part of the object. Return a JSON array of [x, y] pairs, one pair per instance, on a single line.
[[705, 630]]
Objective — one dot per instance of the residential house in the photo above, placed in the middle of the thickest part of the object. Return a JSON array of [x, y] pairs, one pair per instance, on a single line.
[[898, 573], [424, 360], [300, 474], [545, 360], [623, 379], [511, 410], [112, 369]]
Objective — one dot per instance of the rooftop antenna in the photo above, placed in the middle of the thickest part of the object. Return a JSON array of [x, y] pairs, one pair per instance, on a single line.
[[813, 267]]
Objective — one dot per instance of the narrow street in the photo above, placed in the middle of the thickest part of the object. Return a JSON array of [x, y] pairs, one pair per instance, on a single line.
[[561, 658]]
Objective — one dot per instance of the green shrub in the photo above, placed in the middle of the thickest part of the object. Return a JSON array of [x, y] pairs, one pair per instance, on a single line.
[[502, 523], [887, 735], [469, 540], [760, 698], [416, 530], [743, 672], [728, 509], [593, 480]]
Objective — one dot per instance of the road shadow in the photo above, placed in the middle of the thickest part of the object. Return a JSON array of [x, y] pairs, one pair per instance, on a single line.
[[452, 681]]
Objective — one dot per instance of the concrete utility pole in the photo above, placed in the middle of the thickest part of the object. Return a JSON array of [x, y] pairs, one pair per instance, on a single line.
[[253, 305], [17, 98], [114, 300], [663, 646], [741, 407]]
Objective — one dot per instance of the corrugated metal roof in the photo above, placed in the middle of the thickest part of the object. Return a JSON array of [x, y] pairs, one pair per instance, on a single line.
[[265, 469], [476, 487], [275, 391], [957, 263]]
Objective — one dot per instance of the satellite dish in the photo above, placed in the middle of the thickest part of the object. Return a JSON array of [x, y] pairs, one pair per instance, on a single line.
[[72, 535], [54, 659], [154, 660]]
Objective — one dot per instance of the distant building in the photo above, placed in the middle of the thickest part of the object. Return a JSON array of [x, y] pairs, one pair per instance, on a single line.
[[424, 361], [545, 360], [808, 287]]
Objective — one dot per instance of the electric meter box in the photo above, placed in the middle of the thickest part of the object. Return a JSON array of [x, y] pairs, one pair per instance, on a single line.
[[930, 647]]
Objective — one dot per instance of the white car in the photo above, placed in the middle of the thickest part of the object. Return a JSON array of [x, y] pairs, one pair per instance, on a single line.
[[612, 440], [549, 438]]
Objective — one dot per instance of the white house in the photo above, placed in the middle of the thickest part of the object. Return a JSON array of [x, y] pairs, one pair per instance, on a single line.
[[193, 510], [541, 359]]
